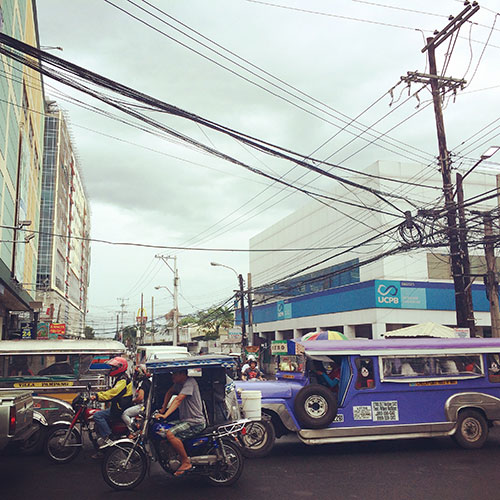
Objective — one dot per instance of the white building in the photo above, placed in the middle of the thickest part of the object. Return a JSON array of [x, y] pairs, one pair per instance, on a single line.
[[363, 300]]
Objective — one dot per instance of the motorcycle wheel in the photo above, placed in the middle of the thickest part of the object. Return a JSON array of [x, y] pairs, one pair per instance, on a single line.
[[54, 448], [225, 474], [258, 440], [120, 473]]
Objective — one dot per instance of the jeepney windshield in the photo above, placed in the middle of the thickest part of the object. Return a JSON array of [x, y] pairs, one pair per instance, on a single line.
[[47, 367], [290, 363]]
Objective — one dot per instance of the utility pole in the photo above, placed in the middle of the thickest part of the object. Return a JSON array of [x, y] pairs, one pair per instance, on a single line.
[[491, 281], [244, 340], [440, 84], [122, 311], [165, 259], [141, 316], [250, 309], [152, 320]]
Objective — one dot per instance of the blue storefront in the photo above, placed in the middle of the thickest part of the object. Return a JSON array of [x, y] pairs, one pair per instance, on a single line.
[[427, 296]]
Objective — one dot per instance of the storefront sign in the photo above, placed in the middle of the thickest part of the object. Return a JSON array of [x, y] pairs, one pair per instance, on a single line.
[[57, 330], [279, 347], [284, 310], [400, 295], [42, 331]]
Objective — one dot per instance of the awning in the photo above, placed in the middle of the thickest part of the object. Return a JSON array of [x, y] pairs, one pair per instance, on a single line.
[[428, 329]]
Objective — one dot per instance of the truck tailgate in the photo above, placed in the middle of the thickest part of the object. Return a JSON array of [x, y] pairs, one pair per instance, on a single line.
[[23, 403]]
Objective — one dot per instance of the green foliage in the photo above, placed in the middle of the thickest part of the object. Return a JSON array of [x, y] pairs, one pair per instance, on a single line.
[[188, 320], [211, 321], [129, 335]]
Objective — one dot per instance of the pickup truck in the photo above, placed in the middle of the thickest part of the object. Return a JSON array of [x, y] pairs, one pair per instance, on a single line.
[[16, 417]]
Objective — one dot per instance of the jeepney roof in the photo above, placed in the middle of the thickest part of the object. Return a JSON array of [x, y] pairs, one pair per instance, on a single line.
[[410, 346], [192, 362], [66, 346]]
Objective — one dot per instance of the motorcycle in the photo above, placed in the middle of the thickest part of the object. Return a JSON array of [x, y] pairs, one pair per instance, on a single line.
[[65, 439], [215, 453]]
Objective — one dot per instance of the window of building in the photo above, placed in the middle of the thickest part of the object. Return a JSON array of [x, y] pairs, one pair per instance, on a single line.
[[363, 331]]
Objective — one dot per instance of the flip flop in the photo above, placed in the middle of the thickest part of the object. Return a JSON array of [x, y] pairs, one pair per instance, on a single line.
[[179, 472]]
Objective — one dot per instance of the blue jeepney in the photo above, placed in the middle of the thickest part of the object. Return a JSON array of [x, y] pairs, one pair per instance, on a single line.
[[382, 389]]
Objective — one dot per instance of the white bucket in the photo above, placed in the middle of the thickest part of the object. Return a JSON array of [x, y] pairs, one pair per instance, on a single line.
[[251, 404]]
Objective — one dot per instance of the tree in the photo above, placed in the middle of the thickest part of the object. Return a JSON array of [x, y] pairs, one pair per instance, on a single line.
[[89, 332], [189, 320], [211, 321], [129, 335]]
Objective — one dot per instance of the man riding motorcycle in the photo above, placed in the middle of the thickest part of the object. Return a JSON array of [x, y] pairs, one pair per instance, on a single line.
[[191, 419], [120, 396]]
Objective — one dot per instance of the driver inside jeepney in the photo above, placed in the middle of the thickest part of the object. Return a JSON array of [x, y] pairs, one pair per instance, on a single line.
[[328, 373], [19, 366]]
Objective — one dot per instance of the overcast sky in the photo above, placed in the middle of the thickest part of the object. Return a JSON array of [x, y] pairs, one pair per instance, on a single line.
[[346, 54]]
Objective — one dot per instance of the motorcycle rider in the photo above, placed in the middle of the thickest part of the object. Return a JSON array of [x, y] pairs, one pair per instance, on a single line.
[[142, 386], [120, 397], [191, 418]]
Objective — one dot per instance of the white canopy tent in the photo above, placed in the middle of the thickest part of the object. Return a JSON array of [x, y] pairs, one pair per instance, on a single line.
[[428, 329]]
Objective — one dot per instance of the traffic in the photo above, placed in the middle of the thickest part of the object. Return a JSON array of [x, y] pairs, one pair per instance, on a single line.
[[187, 414]]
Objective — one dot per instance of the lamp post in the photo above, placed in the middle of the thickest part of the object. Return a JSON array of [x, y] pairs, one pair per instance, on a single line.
[[176, 313], [242, 301]]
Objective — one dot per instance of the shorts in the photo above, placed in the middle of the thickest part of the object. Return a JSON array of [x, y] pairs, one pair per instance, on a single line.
[[183, 430]]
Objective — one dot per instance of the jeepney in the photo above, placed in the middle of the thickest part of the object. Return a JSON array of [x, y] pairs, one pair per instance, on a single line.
[[384, 389], [55, 371]]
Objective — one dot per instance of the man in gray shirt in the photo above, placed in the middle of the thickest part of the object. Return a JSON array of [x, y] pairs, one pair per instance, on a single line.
[[191, 419]]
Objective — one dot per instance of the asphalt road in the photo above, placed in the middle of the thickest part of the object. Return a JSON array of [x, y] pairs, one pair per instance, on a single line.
[[401, 470]]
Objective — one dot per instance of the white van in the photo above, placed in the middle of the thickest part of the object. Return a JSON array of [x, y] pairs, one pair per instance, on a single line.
[[147, 353]]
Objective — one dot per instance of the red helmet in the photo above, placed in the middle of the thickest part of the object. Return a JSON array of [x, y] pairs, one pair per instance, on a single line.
[[119, 365]]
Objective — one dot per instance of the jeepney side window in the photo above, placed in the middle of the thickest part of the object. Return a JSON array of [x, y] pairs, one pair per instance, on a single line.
[[55, 364], [494, 368], [20, 365], [431, 366], [365, 374]]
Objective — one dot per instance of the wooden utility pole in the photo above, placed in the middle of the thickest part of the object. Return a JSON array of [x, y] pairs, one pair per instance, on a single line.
[[451, 211], [152, 320], [250, 309], [439, 84], [491, 281], [244, 339]]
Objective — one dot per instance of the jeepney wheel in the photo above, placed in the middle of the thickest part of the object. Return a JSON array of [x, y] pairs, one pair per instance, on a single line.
[[315, 406], [58, 451], [259, 439], [472, 429]]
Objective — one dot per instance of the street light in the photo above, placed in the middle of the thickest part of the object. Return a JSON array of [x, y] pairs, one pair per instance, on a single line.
[[488, 154], [462, 237], [242, 300]]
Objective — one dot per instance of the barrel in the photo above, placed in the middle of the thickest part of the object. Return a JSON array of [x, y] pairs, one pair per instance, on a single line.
[[251, 404]]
